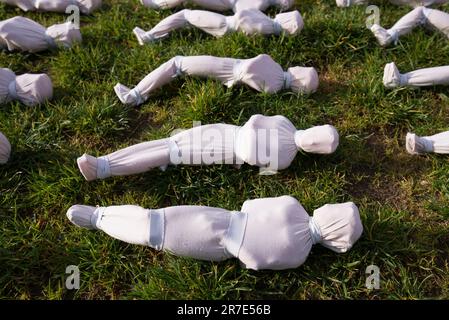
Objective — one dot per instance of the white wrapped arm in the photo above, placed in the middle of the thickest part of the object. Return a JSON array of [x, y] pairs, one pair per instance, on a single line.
[[438, 143], [24, 34], [271, 142], [5, 149], [246, 21], [418, 78], [221, 5], [30, 89], [261, 73], [216, 234], [419, 16], [85, 6]]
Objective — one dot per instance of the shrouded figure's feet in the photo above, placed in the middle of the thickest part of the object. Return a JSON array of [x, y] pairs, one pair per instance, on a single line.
[[142, 36], [392, 77], [382, 35], [88, 166], [83, 216], [417, 145]]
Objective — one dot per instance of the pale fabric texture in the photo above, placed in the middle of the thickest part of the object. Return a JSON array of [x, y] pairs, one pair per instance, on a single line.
[[30, 89], [246, 21], [24, 34], [5, 149], [265, 141], [85, 6], [418, 78], [438, 143], [221, 5], [412, 3], [261, 73], [435, 19], [203, 232]]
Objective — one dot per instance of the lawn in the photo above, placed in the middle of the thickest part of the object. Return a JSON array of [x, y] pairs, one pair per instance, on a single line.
[[403, 199]]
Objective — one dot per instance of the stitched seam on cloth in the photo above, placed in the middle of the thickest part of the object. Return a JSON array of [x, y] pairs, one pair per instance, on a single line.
[[103, 167], [236, 232], [157, 228]]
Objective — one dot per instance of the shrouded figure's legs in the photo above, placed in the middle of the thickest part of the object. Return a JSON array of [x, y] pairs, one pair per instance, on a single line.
[[438, 143], [207, 21], [419, 16], [418, 78], [204, 66], [190, 231], [135, 159], [216, 5]]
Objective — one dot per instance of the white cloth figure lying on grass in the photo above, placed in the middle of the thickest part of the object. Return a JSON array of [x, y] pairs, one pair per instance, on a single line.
[[438, 143], [246, 21], [261, 73], [221, 5], [267, 233], [267, 142], [418, 78], [85, 6], [412, 3], [5, 149], [30, 89], [24, 34], [420, 16]]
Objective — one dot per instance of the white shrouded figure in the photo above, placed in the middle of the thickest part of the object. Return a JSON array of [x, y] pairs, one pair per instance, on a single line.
[[5, 149], [221, 5], [435, 19], [261, 73], [412, 3], [270, 142], [30, 89], [85, 6], [267, 233], [438, 143], [24, 34], [418, 78], [246, 21]]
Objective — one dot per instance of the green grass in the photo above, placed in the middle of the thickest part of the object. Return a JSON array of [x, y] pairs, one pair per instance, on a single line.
[[403, 199]]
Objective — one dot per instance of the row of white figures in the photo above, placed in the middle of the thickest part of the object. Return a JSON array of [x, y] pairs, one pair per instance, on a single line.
[[269, 142], [221, 5], [412, 3], [216, 234], [249, 22], [261, 73], [85, 6], [23, 34], [420, 16]]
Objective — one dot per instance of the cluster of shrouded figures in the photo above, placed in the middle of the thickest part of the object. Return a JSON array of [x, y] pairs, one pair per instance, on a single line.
[[210, 233]]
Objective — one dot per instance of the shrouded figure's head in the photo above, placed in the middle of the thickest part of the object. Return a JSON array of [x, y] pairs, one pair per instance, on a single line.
[[339, 225], [5, 149], [303, 80], [65, 34], [290, 22], [319, 139], [33, 89]]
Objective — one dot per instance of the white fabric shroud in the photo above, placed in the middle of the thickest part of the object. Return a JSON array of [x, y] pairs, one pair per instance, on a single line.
[[266, 141], [24, 34], [221, 5], [216, 234], [30, 89], [438, 143], [85, 6], [418, 78], [5, 149], [246, 21], [434, 19], [261, 73], [412, 3]]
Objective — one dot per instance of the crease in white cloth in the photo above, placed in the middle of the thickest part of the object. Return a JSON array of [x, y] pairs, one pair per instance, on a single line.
[[12, 90], [49, 39], [315, 231], [237, 71], [287, 80], [157, 228], [178, 66], [427, 144], [103, 168], [137, 97], [231, 24], [95, 218], [236, 232], [277, 27]]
